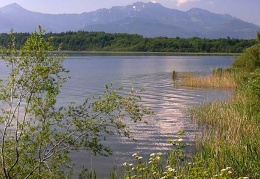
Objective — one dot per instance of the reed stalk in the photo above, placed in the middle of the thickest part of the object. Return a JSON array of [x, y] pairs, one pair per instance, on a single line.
[[226, 80], [230, 137]]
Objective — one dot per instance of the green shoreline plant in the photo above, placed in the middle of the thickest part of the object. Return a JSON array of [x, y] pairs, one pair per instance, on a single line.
[[230, 129], [219, 79]]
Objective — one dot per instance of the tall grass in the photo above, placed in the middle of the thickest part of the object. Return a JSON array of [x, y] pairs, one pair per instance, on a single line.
[[217, 79], [230, 137], [230, 130]]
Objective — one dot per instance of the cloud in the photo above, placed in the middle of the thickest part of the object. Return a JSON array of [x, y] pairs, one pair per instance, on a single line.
[[210, 3], [181, 2]]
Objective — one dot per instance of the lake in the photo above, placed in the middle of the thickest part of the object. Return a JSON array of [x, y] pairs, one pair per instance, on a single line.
[[153, 73]]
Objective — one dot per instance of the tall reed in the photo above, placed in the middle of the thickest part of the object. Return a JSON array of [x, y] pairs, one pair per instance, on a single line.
[[225, 80], [230, 137]]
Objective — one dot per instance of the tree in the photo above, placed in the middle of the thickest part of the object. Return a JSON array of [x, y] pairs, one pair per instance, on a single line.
[[250, 58], [258, 37], [36, 134]]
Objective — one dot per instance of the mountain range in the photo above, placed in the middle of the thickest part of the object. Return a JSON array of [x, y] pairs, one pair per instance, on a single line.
[[147, 19]]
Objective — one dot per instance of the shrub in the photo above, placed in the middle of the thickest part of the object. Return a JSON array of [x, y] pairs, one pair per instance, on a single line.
[[249, 60]]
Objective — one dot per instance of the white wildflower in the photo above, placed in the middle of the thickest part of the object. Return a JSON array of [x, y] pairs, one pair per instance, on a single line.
[[152, 154], [228, 168], [135, 154], [180, 140], [140, 158], [159, 154], [223, 170]]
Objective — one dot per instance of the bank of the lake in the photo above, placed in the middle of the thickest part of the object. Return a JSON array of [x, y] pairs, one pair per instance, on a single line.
[[230, 131], [126, 53]]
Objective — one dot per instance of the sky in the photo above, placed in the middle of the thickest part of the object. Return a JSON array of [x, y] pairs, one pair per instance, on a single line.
[[247, 10]]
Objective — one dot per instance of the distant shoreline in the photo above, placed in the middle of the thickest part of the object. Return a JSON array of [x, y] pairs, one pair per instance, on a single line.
[[110, 53]]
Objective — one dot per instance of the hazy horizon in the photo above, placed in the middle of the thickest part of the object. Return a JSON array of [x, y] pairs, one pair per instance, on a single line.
[[245, 10]]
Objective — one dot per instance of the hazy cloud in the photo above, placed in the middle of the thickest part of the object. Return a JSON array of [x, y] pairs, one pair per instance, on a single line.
[[210, 3], [181, 2]]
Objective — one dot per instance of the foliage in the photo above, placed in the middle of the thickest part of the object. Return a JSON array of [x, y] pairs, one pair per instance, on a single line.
[[36, 134], [100, 41], [230, 136], [221, 79], [230, 129], [250, 59], [249, 67], [251, 88]]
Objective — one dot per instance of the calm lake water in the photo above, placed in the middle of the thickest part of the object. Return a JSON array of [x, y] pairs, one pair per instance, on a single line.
[[153, 73]]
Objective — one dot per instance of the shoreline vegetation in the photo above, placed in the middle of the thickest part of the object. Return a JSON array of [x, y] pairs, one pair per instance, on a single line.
[[113, 53], [83, 41], [126, 53], [230, 129], [216, 80]]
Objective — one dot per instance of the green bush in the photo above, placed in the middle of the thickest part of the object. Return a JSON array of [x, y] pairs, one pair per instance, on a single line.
[[252, 90], [250, 59]]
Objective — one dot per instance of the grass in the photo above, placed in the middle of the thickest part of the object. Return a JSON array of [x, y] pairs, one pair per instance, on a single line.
[[214, 80], [230, 130], [230, 137]]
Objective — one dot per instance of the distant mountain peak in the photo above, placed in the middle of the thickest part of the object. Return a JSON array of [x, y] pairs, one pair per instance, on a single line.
[[142, 5], [12, 8], [145, 3], [198, 11]]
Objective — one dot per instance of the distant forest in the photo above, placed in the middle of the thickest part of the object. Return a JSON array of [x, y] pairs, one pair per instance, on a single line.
[[121, 42]]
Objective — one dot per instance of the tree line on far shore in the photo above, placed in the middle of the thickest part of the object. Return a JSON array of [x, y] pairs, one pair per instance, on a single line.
[[121, 42]]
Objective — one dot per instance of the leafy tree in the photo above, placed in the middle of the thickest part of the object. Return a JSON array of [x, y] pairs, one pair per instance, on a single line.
[[250, 59], [249, 64], [36, 134]]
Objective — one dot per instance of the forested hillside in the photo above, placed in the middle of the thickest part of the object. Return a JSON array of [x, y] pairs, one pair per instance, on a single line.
[[120, 42]]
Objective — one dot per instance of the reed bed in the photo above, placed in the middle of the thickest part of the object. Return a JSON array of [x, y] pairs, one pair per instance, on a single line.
[[229, 138], [225, 80], [230, 132]]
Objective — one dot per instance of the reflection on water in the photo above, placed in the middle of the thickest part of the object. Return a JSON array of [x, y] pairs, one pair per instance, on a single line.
[[89, 74]]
